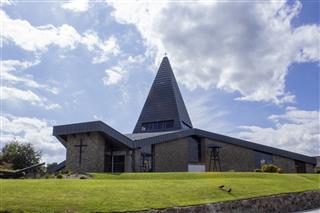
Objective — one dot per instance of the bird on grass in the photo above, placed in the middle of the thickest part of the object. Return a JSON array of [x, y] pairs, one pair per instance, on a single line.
[[229, 190]]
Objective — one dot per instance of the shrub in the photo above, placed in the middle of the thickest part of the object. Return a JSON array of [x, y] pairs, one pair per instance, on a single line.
[[83, 177], [270, 168], [317, 169], [66, 172], [49, 176], [59, 176], [279, 170], [257, 170]]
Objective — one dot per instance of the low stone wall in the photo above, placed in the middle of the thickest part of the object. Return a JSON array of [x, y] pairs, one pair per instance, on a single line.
[[291, 202]]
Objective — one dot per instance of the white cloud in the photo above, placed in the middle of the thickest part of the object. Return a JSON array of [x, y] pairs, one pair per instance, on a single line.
[[15, 95], [296, 130], [144, 16], [76, 5], [11, 74], [38, 39], [16, 85], [32, 130], [6, 2], [242, 47], [205, 115], [105, 48], [116, 74], [113, 75], [11, 65]]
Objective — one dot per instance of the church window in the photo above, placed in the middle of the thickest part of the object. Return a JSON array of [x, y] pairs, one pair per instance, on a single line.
[[157, 125]]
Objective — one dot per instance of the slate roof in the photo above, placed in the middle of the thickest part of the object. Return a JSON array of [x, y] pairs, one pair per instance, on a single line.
[[164, 101], [133, 141]]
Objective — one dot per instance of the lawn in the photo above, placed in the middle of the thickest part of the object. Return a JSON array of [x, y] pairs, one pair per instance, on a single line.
[[134, 191]]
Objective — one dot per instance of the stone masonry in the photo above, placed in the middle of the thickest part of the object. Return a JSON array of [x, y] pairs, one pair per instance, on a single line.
[[309, 168], [171, 156], [287, 165], [92, 155], [232, 157], [174, 156], [290, 202]]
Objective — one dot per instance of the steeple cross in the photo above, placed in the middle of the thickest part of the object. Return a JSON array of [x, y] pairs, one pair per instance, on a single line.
[[81, 145]]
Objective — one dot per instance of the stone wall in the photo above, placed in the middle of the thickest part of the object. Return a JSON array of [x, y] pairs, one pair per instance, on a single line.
[[241, 159], [136, 155], [92, 159], [309, 168], [291, 202], [287, 165], [171, 156], [128, 161], [231, 157]]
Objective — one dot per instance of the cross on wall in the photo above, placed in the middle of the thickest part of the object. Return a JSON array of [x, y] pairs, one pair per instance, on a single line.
[[80, 146]]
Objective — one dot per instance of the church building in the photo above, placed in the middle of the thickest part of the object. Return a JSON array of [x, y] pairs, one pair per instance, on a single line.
[[164, 140]]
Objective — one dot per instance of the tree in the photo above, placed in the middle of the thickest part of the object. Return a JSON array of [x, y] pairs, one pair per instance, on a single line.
[[20, 155]]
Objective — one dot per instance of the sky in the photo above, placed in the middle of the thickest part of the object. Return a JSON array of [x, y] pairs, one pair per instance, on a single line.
[[246, 69]]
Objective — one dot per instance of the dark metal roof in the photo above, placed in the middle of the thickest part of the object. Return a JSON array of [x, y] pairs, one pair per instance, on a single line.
[[58, 167], [93, 126], [142, 139], [164, 101], [140, 136], [164, 138]]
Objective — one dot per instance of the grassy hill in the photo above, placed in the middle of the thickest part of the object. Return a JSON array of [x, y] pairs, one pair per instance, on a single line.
[[134, 191]]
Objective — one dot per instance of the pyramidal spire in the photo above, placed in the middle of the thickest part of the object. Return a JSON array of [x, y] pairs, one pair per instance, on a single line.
[[164, 109]]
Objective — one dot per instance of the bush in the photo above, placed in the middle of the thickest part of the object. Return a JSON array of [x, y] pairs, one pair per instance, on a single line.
[[6, 166], [59, 176], [270, 168], [317, 169], [66, 172], [83, 177], [279, 170], [257, 170], [49, 176]]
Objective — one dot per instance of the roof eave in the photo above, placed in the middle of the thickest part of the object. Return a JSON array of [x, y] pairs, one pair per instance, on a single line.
[[93, 126]]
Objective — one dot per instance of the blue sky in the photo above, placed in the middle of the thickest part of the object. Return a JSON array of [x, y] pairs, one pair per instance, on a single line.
[[248, 70]]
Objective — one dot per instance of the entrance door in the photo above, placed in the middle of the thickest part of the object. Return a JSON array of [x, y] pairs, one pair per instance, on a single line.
[[107, 163], [118, 163]]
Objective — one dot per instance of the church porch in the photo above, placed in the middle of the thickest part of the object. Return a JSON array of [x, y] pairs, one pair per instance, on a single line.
[[97, 152]]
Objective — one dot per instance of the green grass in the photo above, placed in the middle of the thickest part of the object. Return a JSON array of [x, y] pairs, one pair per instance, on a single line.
[[133, 191]]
